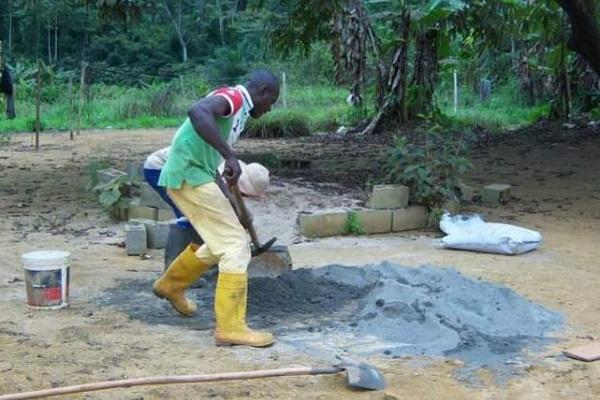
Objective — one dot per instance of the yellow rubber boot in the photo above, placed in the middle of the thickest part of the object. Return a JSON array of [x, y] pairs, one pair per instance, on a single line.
[[180, 275], [230, 311]]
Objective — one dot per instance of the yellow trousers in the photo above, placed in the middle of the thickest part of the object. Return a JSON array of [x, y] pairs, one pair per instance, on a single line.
[[213, 217]]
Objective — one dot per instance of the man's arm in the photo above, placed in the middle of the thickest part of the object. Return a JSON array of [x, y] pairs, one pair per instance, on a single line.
[[203, 115]]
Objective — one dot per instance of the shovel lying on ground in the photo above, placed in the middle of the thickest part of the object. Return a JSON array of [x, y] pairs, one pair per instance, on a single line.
[[360, 376]]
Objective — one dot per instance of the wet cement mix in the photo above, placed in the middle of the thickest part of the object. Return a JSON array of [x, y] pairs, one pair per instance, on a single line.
[[381, 309]]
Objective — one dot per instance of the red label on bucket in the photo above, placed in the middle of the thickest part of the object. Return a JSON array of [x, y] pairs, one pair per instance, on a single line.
[[45, 287], [53, 293]]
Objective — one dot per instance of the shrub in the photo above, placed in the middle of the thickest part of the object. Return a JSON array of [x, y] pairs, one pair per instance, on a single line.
[[353, 226], [432, 170]]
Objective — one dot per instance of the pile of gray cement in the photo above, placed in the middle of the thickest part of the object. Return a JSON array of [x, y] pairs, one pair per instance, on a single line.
[[382, 309]]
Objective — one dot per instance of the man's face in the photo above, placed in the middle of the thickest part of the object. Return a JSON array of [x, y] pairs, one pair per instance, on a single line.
[[263, 102]]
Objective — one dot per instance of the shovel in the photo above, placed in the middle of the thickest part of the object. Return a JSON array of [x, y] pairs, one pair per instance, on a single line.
[[258, 249], [360, 376], [267, 260]]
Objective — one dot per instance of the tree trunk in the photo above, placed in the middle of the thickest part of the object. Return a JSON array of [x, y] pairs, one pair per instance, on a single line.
[[177, 24], [525, 79], [585, 34], [560, 108], [425, 73], [356, 57], [394, 110], [337, 49], [10, 24]]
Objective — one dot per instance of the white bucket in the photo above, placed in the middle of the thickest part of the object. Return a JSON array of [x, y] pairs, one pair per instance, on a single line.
[[47, 277]]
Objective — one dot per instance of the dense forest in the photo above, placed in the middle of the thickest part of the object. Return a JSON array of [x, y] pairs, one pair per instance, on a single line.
[[392, 57]]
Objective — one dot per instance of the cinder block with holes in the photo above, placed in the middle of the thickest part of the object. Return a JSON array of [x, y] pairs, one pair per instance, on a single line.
[[323, 224], [389, 197]]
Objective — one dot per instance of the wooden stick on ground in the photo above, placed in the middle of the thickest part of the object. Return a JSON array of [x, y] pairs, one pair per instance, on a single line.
[[166, 379]]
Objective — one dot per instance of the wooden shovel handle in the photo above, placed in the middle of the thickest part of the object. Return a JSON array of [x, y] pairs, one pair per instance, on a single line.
[[244, 214], [161, 380]]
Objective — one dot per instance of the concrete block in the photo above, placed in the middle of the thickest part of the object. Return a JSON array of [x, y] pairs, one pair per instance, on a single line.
[[467, 193], [139, 221], [106, 175], [165, 214], [496, 193], [149, 197], [323, 224], [375, 221], [389, 197], [406, 219], [136, 239], [157, 234], [120, 210], [452, 206], [136, 211]]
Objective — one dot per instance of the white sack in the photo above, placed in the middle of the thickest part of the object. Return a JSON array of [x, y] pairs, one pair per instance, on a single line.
[[470, 232]]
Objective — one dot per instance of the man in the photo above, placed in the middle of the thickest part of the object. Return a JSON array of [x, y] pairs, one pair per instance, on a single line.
[[253, 182], [205, 138]]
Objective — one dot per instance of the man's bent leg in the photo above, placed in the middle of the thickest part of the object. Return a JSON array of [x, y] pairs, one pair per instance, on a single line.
[[181, 274], [213, 217]]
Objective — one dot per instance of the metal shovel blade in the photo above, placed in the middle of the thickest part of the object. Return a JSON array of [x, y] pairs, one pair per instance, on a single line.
[[361, 375], [256, 251]]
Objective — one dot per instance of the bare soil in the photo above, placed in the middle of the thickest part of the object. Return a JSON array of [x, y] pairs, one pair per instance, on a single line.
[[44, 204]]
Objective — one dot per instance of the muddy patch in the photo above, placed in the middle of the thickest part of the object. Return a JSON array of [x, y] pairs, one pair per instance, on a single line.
[[383, 309]]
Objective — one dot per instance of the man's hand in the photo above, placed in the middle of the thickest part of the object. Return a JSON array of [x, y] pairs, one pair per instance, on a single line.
[[232, 171]]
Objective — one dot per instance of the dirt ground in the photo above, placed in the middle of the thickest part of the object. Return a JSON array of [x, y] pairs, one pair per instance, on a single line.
[[556, 190]]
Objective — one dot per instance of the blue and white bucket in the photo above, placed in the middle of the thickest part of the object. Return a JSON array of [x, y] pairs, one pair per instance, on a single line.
[[47, 278]]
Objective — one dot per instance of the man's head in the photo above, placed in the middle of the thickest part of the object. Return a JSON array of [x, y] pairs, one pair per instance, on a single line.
[[263, 88]]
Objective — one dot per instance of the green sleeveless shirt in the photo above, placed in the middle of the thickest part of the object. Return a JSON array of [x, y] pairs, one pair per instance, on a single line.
[[193, 160]]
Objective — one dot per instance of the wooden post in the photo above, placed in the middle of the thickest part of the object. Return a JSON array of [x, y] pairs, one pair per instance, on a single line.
[[71, 103], [455, 91], [38, 101], [284, 91], [81, 95], [485, 90]]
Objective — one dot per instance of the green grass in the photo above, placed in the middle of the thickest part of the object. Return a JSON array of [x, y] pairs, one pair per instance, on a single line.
[[316, 108], [505, 109], [322, 108]]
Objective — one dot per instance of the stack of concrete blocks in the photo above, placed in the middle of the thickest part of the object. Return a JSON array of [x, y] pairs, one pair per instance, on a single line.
[[152, 212], [148, 215], [143, 234], [388, 212]]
